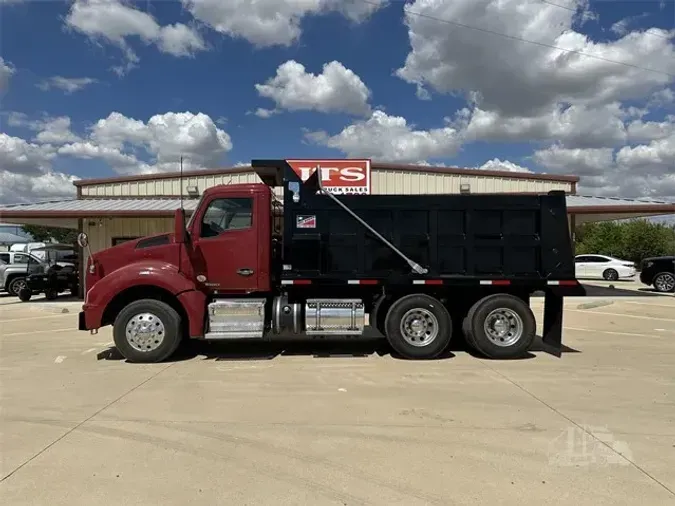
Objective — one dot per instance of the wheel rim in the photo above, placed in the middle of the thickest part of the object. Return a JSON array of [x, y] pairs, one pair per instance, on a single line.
[[665, 282], [145, 332], [419, 327], [18, 286], [612, 275], [503, 327]]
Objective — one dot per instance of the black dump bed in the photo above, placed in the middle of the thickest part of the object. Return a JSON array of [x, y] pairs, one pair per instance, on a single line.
[[480, 235]]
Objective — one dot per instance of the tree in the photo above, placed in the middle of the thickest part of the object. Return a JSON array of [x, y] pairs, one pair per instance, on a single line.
[[46, 234], [631, 240]]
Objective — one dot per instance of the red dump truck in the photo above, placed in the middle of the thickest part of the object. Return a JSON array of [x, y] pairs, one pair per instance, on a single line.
[[416, 270]]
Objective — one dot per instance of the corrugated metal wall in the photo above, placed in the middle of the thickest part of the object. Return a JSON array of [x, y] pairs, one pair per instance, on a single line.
[[416, 183], [383, 182], [101, 232]]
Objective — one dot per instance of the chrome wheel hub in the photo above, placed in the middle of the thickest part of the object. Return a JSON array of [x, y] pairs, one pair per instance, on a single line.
[[145, 332], [419, 327], [503, 327]]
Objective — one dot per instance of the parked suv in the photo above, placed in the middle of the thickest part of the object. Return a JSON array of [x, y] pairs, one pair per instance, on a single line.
[[659, 272]]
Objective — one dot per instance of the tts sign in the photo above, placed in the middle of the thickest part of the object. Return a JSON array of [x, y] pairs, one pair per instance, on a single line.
[[337, 176]]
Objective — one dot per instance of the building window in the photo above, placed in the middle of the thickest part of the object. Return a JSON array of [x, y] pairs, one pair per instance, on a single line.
[[227, 214], [120, 240]]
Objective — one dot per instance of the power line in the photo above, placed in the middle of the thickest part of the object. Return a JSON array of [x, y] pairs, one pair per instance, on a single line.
[[520, 39], [575, 10]]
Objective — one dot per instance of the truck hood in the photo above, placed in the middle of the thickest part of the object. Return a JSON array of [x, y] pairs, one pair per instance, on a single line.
[[153, 246]]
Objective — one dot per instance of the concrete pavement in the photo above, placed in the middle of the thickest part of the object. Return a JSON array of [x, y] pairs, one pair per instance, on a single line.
[[233, 426]]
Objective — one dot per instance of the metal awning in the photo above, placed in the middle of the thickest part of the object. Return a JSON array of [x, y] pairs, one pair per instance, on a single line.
[[592, 208], [98, 207]]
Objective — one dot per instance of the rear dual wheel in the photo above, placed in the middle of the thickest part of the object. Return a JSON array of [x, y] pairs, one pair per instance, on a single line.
[[500, 326], [418, 326]]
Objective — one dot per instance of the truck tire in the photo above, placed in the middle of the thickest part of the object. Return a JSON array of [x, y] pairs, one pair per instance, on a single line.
[[147, 331], [25, 294], [418, 326], [15, 285], [379, 314], [500, 326], [51, 294]]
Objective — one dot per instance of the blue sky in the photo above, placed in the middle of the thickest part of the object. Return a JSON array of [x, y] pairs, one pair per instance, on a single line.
[[414, 93]]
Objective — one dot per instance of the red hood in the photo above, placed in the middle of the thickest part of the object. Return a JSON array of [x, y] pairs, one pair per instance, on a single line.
[[153, 247]]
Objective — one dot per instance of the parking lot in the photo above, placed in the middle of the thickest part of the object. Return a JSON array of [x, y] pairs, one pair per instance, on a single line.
[[341, 425]]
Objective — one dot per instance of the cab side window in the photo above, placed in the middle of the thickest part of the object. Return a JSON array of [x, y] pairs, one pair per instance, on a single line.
[[227, 214], [20, 259], [4, 258]]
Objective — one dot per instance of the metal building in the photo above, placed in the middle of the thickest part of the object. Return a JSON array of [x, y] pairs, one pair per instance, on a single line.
[[114, 210]]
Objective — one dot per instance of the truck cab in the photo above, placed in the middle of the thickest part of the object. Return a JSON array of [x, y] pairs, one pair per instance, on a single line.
[[408, 265]]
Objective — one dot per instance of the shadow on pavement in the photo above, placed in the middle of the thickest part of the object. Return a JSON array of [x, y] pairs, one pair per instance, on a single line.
[[351, 349]]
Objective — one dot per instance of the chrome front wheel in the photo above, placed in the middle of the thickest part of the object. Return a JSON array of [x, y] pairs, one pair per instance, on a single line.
[[145, 332]]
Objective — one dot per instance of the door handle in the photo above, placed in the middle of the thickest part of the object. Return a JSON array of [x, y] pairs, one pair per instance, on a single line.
[[244, 272]]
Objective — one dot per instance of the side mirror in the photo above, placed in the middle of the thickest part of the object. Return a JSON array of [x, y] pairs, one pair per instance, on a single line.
[[82, 240], [180, 234]]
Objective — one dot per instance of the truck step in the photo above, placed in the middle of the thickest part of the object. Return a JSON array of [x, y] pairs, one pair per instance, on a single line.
[[222, 336]]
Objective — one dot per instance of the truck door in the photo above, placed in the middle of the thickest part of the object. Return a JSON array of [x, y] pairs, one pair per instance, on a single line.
[[225, 250]]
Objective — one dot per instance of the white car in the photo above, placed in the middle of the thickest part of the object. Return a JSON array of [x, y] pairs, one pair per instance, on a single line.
[[603, 267]]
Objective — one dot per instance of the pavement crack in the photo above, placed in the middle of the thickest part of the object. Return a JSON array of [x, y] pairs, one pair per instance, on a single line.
[[580, 427], [73, 429]]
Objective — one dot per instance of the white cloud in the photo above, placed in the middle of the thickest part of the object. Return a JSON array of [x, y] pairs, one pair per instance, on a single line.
[[20, 188], [658, 156], [505, 165], [25, 172], [272, 22], [7, 70], [118, 140], [645, 131], [67, 84], [516, 78], [582, 162], [261, 112], [335, 89], [22, 157], [126, 145], [50, 130], [390, 138], [577, 125], [121, 162], [115, 21], [645, 170]]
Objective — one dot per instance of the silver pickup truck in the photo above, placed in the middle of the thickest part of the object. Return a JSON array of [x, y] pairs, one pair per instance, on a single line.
[[14, 267]]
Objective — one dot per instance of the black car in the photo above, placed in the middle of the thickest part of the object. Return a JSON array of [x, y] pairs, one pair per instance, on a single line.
[[659, 272]]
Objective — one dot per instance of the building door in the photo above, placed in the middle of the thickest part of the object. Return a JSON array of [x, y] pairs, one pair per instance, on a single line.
[[225, 251]]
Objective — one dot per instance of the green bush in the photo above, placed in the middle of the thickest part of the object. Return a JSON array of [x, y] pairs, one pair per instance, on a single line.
[[631, 240]]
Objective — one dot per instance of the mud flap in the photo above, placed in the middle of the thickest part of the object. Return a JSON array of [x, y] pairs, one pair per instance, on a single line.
[[553, 323]]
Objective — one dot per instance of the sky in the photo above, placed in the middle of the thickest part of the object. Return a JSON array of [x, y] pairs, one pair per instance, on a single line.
[[98, 88]]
